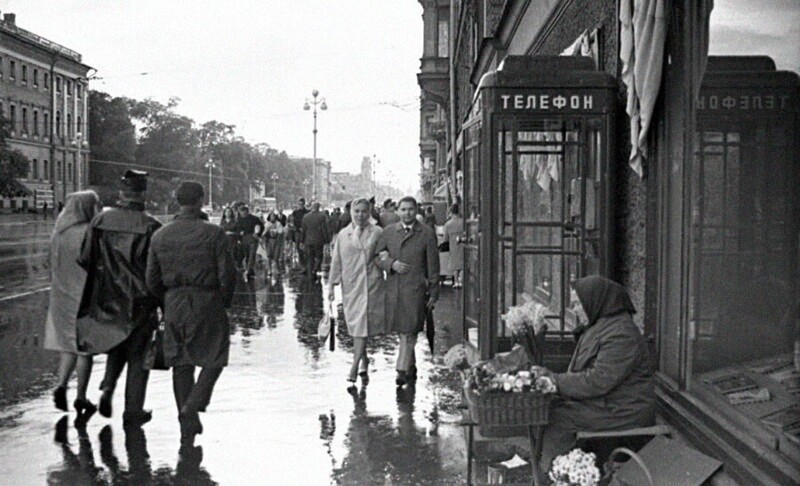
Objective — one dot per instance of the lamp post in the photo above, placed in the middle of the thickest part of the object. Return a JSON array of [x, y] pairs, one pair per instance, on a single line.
[[308, 106], [275, 188], [306, 182], [210, 165]]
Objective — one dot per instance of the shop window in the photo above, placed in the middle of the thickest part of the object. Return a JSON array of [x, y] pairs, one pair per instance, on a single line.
[[744, 256]]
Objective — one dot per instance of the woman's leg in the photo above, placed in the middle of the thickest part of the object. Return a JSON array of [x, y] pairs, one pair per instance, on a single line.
[[359, 353], [65, 366], [84, 370]]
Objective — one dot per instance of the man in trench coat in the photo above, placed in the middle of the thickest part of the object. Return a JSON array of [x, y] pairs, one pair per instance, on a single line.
[[117, 314], [412, 283], [191, 270]]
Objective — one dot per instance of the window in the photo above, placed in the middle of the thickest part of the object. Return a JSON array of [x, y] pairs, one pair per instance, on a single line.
[[12, 65], [35, 169], [24, 73], [13, 116], [24, 120], [69, 171], [35, 78], [45, 173], [46, 81], [80, 126], [78, 89], [47, 124], [58, 170], [36, 122], [69, 125], [1, 67], [69, 88], [443, 38], [58, 123], [58, 84]]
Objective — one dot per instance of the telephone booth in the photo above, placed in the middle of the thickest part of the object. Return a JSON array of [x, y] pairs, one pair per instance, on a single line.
[[537, 164]]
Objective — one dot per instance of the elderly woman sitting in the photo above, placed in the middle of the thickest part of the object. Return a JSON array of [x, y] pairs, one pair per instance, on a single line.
[[609, 382]]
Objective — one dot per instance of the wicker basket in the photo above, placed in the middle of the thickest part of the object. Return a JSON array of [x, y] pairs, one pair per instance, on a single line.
[[495, 411]]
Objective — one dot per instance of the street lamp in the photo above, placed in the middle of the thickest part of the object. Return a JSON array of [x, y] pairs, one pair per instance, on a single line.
[[307, 106], [306, 182], [210, 165], [275, 188]]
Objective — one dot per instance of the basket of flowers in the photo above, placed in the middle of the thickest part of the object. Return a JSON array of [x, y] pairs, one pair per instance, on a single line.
[[576, 468], [507, 399], [528, 327]]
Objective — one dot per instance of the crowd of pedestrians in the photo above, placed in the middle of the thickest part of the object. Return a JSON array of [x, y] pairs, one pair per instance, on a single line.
[[154, 296]]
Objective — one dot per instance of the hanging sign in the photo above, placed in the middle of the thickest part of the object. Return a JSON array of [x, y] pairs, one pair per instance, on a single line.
[[552, 101]]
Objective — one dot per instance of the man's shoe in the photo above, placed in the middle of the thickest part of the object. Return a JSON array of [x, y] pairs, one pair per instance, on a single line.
[[401, 378], [412, 374], [136, 419], [190, 424], [104, 406]]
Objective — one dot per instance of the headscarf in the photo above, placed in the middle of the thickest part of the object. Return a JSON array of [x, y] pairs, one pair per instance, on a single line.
[[602, 297], [80, 207]]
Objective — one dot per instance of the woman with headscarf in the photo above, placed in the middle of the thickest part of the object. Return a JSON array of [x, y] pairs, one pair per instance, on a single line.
[[273, 244], [609, 382], [66, 288], [363, 288]]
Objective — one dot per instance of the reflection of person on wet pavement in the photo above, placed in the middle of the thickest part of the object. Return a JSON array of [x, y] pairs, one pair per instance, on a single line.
[[250, 228], [66, 287], [609, 382], [76, 468], [363, 288], [120, 312], [412, 283], [191, 270]]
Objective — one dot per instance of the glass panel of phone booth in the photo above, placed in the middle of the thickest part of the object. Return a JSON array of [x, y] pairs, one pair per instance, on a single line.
[[549, 232], [472, 267]]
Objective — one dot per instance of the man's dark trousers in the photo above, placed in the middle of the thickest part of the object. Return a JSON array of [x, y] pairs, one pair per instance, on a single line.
[[315, 254], [129, 352], [250, 247], [191, 396]]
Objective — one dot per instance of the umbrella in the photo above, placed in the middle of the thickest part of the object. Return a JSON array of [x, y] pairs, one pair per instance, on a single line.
[[430, 330]]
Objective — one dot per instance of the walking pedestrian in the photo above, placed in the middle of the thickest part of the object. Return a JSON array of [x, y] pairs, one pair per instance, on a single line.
[[190, 270], [250, 228], [273, 243], [353, 265], [315, 236], [121, 313], [388, 215], [297, 220], [44, 210], [452, 230], [66, 288], [412, 282]]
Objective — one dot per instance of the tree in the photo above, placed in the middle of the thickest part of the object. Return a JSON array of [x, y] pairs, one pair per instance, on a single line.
[[112, 137], [13, 163]]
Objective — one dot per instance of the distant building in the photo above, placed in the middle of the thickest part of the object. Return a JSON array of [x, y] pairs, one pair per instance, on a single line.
[[322, 189], [44, 93]]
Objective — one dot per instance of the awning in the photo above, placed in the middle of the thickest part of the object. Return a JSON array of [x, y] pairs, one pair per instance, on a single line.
[[14, 188]]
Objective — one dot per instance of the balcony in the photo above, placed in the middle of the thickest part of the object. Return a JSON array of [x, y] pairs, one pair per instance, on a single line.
[[433, 77]]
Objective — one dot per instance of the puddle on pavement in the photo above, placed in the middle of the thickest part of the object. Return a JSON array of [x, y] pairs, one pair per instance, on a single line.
[[280, 414]]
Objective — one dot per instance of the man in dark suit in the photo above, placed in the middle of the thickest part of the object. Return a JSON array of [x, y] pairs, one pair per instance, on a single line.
[[315, 237], [411, 260], [297, 221]]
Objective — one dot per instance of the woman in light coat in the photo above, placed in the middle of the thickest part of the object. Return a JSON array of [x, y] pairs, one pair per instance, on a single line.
[[66, 289], [363, 288], [453, 228]]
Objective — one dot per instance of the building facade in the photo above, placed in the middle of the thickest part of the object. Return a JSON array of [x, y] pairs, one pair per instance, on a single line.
[[44, 93], [666, 162]]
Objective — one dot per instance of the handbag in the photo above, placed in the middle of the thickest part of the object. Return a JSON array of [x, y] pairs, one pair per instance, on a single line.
[[154, 354]]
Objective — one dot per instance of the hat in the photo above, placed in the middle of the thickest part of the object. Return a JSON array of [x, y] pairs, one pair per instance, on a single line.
[[189, 193], [134, 180]]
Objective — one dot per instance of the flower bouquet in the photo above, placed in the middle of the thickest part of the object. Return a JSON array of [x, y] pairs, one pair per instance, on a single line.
[[527, 324], [576, 468]]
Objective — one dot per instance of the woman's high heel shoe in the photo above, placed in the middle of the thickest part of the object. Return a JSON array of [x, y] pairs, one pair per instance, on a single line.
[[84, 407], [60, 398]]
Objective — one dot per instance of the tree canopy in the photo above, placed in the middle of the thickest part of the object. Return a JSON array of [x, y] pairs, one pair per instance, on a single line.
[[13, 163]]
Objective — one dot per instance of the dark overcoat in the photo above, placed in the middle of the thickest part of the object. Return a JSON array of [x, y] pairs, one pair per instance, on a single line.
[[115, 299], [191, 270], [315, 229], [609, 382], [407, 294]]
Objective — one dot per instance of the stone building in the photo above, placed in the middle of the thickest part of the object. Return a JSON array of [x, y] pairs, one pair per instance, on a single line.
[[44, 93], [666, 161]]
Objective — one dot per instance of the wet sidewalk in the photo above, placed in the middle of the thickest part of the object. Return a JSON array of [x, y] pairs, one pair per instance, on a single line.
[[280, 412]]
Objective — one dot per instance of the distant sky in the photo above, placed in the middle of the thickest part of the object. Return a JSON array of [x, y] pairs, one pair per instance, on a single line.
[[252, 63]]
